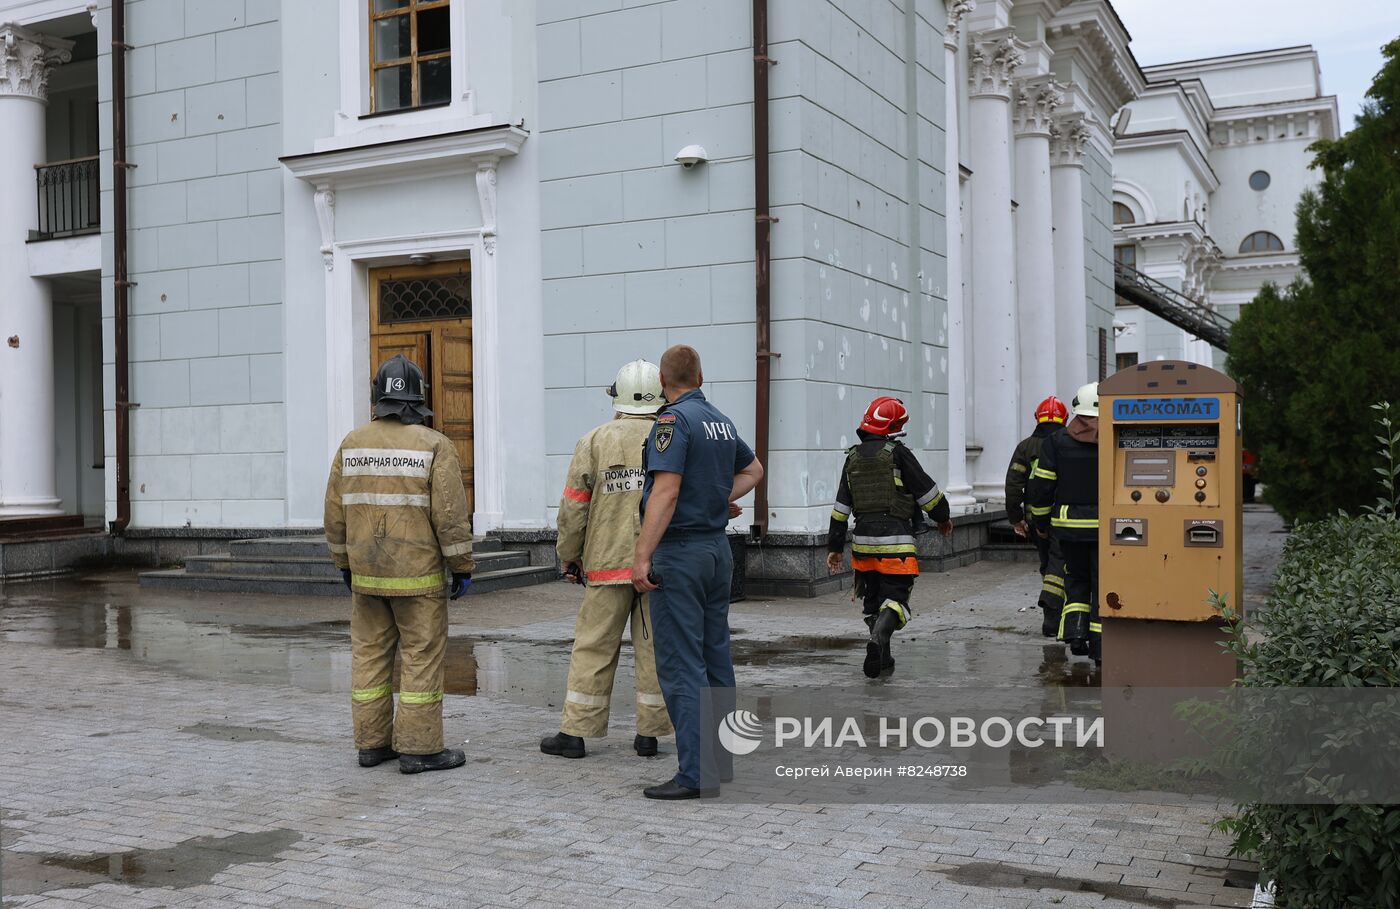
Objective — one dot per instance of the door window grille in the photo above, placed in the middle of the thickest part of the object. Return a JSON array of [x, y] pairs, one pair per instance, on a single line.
[[425, 298]]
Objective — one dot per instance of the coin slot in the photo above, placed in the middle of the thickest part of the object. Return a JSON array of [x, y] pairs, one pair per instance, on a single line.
[[1129, 532]]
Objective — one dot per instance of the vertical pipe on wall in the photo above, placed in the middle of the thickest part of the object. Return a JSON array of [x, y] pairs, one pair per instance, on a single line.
[[763, 221], [923, 436], [121, 281]]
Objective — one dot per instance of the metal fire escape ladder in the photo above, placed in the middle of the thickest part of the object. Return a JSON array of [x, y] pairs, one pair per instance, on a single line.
[[1175, 307]]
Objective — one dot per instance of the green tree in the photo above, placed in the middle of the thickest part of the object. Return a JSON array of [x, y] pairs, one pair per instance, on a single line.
[[1311, 358]]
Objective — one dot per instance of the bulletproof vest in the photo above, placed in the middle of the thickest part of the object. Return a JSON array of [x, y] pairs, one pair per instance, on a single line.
[[871, 479]]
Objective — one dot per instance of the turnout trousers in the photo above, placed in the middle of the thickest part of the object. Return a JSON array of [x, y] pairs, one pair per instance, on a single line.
[[415, 627], [1052, 577], [878, 591], [604, 614], [690, 615], [1080, 619]]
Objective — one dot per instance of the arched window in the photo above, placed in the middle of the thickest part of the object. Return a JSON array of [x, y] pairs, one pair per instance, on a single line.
[[1261, 241], [1122, 214]]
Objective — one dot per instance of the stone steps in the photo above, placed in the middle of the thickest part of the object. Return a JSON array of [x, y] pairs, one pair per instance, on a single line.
[[301, 566], [1004, 546]]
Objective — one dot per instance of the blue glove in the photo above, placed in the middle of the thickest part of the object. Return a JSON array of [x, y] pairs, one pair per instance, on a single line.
[[345, 574], [460, 583]]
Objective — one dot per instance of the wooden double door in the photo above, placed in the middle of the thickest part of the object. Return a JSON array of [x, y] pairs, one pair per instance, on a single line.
[[424, 313]]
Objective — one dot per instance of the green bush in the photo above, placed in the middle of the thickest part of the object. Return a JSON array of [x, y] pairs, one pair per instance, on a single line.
[[1310, 357], [1333, 621]]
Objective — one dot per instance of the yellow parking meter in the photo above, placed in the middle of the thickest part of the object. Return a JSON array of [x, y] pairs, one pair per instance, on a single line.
[[1171, 522]]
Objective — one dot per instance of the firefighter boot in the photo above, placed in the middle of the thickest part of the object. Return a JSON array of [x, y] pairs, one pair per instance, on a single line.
[[877, 651], [872, 650], [886, 660], [562, 744], [1050, 621], [644, 745], [445, 759], [373, 757], [1074, 628]]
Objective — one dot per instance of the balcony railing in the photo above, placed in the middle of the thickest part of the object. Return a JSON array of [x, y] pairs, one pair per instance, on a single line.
[[68, 193]]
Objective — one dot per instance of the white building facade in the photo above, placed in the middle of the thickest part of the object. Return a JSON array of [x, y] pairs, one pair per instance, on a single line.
[[491, 188], [1210, 162]]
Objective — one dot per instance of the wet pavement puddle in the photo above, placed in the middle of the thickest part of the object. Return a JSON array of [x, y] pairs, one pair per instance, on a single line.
[[1003, 876], [315, 656], [188, 864]]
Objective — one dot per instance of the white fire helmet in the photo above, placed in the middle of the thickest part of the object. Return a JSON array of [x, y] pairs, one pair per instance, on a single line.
[[637, 388], [1086, 400]]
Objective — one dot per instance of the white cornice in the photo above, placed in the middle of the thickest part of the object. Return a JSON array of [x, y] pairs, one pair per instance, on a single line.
[[387, 162], [35, 12], [1313, 118], [1172, 231], [1193, 100], [1180, 140], [1090, 29], [1186, 69], [1272, 262]]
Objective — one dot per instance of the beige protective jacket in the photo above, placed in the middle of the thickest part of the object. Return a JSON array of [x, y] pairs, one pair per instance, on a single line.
[[396, 509], [599, 514]]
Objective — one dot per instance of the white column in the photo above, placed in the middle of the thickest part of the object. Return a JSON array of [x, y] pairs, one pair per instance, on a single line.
[[28, 483], [487, 431], [959, 490], [1036, 101], [1067, 138], [992, 56]]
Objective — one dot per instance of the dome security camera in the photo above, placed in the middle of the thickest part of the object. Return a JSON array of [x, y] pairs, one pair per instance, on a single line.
[[692, 155]]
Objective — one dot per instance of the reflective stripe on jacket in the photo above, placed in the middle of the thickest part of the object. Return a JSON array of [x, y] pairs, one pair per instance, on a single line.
[[1018, 472], [396, 510], [599, 512]]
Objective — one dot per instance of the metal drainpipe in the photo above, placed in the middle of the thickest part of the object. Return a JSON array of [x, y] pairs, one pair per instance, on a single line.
[[763, 222], [121, 282]]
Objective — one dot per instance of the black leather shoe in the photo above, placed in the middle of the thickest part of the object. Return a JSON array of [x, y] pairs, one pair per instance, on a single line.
[[445, 759], [672, 791], [563, 745], [373, 757], [644, 745]]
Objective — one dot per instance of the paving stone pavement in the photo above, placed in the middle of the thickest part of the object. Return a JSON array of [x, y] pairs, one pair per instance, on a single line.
[[193, 750]]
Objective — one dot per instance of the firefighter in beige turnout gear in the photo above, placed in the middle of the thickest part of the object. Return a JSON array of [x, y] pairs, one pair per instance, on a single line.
[[598, 526], [395, 512]]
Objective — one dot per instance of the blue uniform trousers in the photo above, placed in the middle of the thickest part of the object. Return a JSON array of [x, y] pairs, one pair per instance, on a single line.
[[690, 613]]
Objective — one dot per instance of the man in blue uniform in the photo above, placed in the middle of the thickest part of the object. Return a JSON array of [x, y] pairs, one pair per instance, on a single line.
[[696, 467]]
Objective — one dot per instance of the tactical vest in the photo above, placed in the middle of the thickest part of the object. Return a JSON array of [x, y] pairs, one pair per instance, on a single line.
[[873, 490]]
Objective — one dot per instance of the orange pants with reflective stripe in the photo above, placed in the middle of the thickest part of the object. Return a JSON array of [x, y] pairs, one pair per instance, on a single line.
[[416, 629]]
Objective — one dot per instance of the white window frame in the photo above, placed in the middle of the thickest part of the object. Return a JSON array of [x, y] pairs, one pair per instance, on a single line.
[[355, 114]]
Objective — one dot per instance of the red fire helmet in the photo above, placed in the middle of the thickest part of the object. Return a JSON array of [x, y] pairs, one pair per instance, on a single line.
[[1052, 409], [885, 416]]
